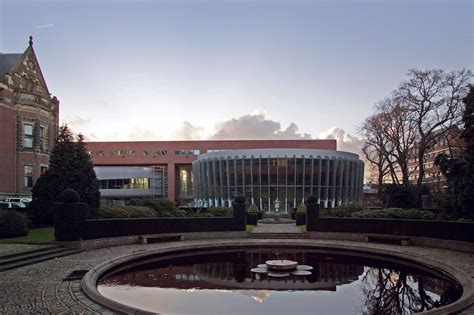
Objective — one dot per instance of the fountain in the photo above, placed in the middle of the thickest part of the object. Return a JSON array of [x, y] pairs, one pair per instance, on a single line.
[[282, 268]]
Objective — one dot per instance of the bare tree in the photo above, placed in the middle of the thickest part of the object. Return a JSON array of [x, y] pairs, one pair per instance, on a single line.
[[375, 148], [434, 98], [399, 130]]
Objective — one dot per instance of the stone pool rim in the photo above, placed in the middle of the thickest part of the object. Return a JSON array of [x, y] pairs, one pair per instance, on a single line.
[[89, 281]]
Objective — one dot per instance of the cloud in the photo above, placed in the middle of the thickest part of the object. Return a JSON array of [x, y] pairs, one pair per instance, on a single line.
[[139, 134], [189, 132], [345, 141], [256, 126], [44, 26]]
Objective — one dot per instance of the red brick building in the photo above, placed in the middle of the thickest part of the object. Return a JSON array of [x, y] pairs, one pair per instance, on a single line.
[[29, 118], [163, 169]]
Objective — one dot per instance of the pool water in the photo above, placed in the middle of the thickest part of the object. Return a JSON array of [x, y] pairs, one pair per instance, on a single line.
[[222, 283]]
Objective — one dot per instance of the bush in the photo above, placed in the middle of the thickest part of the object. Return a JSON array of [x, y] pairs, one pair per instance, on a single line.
[[398, 196], [395, 213], [136, 202], [253, 208], [312, 199], [220, 211], [301, 208], [69, 196], [239, 199], [12, 224], [343, 211], [118, 211], [164, 208]]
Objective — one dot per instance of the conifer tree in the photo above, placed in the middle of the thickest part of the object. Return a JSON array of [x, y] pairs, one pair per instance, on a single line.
[[70, 167]]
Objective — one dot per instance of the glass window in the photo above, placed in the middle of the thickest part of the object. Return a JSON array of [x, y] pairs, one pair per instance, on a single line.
[[28, 175], [28, 136], [28, 129]]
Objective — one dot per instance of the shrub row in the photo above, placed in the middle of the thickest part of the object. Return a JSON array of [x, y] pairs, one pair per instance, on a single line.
[[395, 213], [117, 211]]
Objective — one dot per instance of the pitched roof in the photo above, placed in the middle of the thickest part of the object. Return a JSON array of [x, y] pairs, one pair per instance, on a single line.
[[7, 62]]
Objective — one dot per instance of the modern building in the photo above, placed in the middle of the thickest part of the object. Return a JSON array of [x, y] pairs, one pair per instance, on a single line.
[[165, 169], [283, 176], [29, 118]]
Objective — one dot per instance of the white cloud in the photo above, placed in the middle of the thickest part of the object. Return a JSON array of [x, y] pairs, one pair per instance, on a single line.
[[256, 126], [345, 141], [189, 131], [44, 26]]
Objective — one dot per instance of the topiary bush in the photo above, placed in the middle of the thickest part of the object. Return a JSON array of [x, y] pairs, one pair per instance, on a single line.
[[395, 213], [239, 199], [253, 208], [119, 211], [12, 224], [301, 208], [69, 196], [312, 200]]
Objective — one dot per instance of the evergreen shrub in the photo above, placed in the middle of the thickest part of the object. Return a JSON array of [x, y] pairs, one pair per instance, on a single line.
[[395, 213], [253, 208], [69, 196], [119, 211], [301, 208], [12, 224], [220, 211]]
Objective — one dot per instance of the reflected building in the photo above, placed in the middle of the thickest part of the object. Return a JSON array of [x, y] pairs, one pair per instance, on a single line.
[[287, 175]]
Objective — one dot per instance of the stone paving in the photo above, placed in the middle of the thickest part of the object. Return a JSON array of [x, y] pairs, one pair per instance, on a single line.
[[9, 249], [40, 288], [276, 228]]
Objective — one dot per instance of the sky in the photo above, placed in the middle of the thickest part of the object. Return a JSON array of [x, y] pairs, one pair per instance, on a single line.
[[170, 70]]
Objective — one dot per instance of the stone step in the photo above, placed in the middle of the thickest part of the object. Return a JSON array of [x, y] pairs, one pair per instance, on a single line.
[[30, 254], [33, 258], [37, 250], [277, 235]]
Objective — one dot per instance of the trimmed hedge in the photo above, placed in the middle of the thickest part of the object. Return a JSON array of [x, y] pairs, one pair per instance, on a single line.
[[118, 211], [100, 228], [395, 213], [12, 224], [219, 211], [449, 230]]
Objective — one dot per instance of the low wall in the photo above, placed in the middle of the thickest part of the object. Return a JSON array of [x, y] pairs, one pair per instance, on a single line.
[[92, 229], [71, 226], [458, 231]]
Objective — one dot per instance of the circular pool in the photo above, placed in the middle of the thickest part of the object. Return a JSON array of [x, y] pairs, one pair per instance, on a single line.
[[218, 279]]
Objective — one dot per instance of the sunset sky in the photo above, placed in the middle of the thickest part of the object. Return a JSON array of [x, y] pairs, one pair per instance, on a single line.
[[159, 70]]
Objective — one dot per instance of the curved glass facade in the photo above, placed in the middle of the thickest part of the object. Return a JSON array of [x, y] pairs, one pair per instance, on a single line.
[[287, 175]]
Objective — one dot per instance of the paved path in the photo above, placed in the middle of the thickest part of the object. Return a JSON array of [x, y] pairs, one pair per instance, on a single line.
[[40, 288], [276, 228]]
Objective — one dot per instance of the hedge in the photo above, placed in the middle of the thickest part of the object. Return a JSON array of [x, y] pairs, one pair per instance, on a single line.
[[118, 211], [395, 213], [449, 230], [100, 228]]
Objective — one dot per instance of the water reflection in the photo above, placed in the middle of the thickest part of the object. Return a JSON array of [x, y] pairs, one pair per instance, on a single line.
[[388, 291], [339, 284]]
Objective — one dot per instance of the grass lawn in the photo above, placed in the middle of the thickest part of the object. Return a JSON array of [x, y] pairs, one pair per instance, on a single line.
[[302, 227], [35, 236], [249, 228]]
